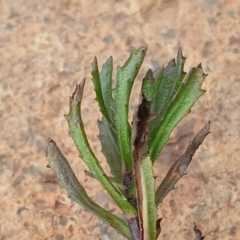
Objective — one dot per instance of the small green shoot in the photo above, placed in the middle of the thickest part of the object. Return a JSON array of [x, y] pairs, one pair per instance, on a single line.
[[166, 97]]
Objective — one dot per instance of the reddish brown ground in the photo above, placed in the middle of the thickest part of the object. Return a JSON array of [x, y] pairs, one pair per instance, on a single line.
[[47, 46]]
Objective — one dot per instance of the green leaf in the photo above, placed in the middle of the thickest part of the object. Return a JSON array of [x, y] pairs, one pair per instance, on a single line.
[[78, 135], [168, 81], [103, 88], [106, 84], [108, 141], [175, 109], [149, 212], [67, 179], [125, 79]]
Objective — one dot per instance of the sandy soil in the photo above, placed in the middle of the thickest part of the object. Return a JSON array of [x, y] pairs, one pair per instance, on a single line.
[[47, 46]]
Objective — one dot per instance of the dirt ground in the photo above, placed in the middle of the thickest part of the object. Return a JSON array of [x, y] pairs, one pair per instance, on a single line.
[[48, 46]]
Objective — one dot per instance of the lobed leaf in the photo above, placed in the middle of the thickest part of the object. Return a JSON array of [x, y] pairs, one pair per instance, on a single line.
[[168, 81], [106, 83], [103, 88], [108, 141], [125, 79], [67, 179], [179, 106], [78, 135]]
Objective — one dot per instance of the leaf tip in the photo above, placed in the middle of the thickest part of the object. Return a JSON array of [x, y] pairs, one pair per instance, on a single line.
[[144, 49], [78, 92], [199, 66], [149, 73], [204, 75], [180, 52], [94, 60], [207, 127], [110, 59], [180, 55], [49, 146]]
